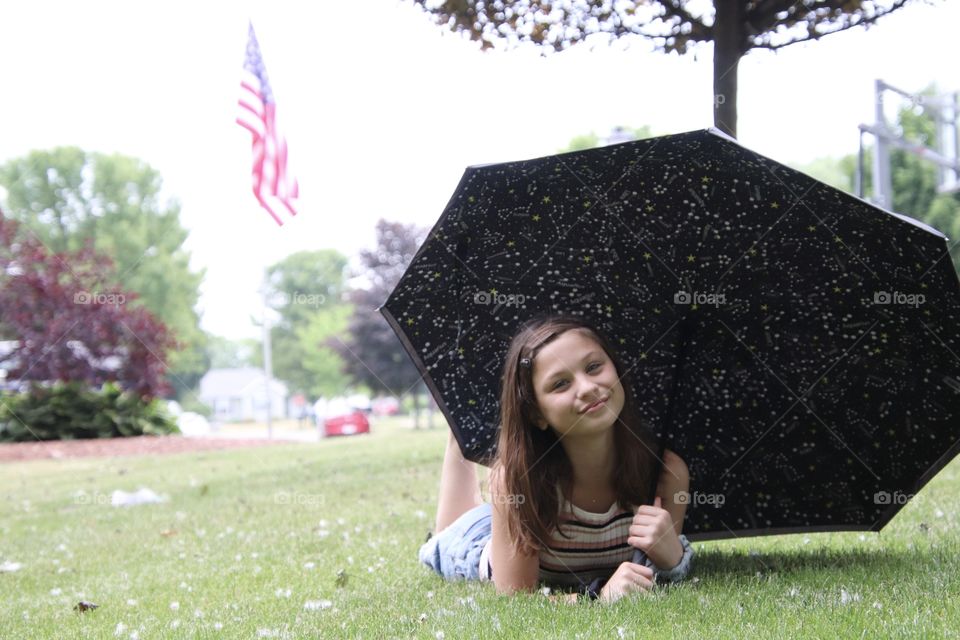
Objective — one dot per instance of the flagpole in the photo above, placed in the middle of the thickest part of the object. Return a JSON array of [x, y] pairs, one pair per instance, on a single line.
[[267, 364]]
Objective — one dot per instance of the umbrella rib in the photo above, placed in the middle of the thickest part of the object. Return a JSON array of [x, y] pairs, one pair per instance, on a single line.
[[799, 200], [925, 326], [937, 261], [652, 252], [840, 240], [820, 220], [592, 205], [799, 399]]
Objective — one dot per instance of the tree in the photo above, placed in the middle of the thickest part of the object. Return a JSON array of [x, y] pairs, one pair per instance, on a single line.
[[372, 351], [68, 325], [914, 179], [734, 26], [320, 356], [591, 140], [224, 353], [306, 289], [68, 197]]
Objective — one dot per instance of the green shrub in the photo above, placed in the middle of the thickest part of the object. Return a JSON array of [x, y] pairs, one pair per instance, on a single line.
[[191, 402], [72, 411]]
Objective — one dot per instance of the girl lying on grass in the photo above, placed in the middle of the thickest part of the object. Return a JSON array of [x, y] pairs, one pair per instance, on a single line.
[[570, 485]]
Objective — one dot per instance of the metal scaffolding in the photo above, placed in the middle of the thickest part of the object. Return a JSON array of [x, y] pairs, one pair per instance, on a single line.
[[945, 110]]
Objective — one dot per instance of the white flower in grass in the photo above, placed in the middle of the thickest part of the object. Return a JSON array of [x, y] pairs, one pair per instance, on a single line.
[[323, 523], [938, 513], [308, 565], [794, 592], [423, 617], [283, 593], [9, 566], [56, 591], [341, 521], [847, 598], [862, 537], [349, 559], [621, 632], [175, 623], [218, 626], [420, 515], [120, 628], [317, 605], [134, 635], [429, 594], [62, 570], [174, 606], [238, 557], [197, 613], [323, 533], [439, 635], [806, 541], [131, 602]]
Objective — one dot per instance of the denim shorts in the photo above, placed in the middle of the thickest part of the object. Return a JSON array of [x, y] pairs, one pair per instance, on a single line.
[[455, 552]]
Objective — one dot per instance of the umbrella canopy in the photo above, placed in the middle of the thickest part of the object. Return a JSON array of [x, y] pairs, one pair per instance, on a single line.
[[795, 345]]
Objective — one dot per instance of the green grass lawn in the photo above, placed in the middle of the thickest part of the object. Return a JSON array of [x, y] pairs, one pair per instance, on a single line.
[[252, 541]]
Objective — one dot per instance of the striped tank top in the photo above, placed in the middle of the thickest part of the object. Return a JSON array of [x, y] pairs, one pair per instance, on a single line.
[[596, 547]]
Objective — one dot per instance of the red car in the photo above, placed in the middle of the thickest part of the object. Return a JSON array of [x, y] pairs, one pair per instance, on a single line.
[[346, 425]]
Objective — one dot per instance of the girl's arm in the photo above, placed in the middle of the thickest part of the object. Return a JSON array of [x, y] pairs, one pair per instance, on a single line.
[[656, 528], [512, 571], [674, 480]]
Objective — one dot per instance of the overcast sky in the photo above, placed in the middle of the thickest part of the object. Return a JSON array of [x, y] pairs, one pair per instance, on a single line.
[[382, 111]]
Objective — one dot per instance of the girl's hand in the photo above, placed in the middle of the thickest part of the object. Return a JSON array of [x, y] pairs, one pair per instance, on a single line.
[[653, 533], [628, 577]]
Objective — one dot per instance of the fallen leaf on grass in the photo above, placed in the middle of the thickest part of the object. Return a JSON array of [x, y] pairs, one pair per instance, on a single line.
[[166, 533], [83, 605]]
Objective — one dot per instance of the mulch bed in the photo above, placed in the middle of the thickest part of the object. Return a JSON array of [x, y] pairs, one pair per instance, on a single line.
[[109, 447]]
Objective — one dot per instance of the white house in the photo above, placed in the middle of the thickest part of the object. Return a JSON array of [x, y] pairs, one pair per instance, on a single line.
[[241, 394]]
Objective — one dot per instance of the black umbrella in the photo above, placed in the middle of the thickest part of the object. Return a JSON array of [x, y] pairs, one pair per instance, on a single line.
[[796, 345]]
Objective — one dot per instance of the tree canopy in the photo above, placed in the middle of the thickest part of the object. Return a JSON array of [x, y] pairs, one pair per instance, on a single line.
[[66, 324], [372, 352], [68, 198], [735, 27], [307, 290]]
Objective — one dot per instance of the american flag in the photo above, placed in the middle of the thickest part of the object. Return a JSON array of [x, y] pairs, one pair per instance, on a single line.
[[273, 185]]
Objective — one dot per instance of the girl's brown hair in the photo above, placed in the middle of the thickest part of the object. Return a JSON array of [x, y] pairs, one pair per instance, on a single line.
[[531, 461]]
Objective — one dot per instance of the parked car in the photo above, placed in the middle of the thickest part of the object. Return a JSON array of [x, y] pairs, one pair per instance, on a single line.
[[386, 406], [346, 425], [359, 402], [337, 417]]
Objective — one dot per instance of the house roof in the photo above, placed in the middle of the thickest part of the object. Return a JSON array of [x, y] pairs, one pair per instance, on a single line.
[[237, 382]]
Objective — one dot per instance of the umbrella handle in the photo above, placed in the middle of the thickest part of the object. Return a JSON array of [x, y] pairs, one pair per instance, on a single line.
[[639, 557]]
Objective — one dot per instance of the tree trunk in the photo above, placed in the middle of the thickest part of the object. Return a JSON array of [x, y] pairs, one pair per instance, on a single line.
[[729, 44], [416, 410]]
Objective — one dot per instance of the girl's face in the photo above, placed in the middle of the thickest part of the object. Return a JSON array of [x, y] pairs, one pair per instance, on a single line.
[[576, 385]]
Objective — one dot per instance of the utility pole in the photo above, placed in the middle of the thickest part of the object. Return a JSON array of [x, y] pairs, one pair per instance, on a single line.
[[944, 111], [267, 364]]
